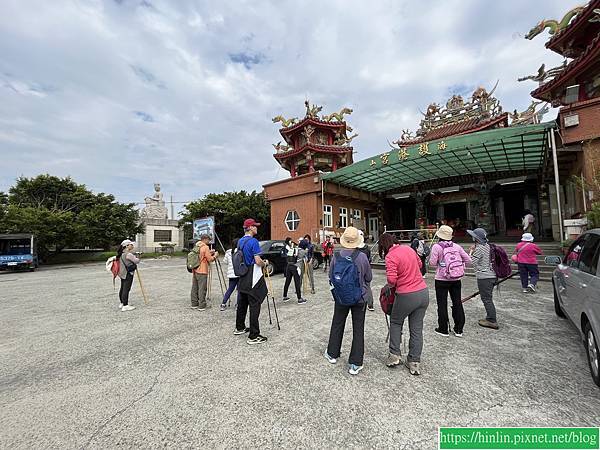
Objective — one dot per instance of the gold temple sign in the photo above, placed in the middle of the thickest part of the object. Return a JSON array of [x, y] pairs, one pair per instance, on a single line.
[[402, 154], [424, 149], [385, 158], [442, 145], [373, 163]]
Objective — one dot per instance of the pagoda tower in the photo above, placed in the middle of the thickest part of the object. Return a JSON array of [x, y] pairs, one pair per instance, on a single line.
[[314, 143]]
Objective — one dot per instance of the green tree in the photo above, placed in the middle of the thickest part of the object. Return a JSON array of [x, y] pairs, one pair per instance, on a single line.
[[230, 209], [62, 213]]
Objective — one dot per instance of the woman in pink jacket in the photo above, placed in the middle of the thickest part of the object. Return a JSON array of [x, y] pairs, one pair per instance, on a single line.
[[526, 253], [403, 271]]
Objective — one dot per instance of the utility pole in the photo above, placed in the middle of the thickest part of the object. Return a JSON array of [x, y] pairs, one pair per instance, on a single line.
[[172, 209]]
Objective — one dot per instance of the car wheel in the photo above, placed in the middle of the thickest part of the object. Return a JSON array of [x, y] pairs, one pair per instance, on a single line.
[[270, 268], [591, 345], [316, 263], [557, 307]]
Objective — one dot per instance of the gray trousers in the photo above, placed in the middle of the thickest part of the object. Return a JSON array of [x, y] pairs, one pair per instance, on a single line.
[[199, 285], [369, 296], [412, 305], [486, 290]]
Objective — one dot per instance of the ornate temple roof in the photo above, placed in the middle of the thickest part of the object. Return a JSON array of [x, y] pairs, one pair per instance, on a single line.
[[481, 112], [591, 55], [562, 41]]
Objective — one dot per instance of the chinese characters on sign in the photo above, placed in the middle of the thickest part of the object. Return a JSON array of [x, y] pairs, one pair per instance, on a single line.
[[403, 153], [424, 149], [442, 145], [373, 163], [385, 158]]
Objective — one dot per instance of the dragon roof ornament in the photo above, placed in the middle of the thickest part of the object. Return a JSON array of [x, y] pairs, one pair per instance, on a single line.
[[554, 26]]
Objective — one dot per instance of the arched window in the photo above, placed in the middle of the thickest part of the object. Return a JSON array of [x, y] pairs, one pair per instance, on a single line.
[[292, 219]]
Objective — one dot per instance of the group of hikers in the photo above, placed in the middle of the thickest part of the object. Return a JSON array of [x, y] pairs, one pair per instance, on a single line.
[[350, 276]]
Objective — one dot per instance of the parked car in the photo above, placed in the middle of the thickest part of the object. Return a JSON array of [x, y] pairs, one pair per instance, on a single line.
[[18, 251], [576, 283], [272, 251]]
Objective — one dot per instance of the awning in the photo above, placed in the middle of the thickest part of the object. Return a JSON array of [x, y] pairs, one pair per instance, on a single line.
[[512, 150]]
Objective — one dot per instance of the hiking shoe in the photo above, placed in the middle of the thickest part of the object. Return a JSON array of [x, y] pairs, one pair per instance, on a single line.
[[193, 307], [413, 367], [286, 299], [237, 332], [393, 360], [353, 369], [441, 332], [525, 291], [487, 324], [458, 334], [329, 358], [257, 340], [223, 306], [531, 288], [301, 301], [370, 308], [201, 308], [127, 308]]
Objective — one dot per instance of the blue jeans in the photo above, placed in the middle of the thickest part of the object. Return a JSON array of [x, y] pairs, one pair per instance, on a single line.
[[232, 285], [528, 272]]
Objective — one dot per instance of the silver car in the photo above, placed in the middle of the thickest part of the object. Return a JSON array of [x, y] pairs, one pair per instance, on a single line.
[[576, 282]]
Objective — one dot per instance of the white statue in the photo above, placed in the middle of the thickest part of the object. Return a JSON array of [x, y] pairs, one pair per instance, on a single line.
[[155, 206]]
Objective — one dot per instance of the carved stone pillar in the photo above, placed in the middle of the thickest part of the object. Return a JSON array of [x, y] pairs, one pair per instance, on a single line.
[[485, 217], [420, 219]]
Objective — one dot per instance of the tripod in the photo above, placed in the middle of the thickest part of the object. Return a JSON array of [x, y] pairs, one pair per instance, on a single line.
[[270, 294]]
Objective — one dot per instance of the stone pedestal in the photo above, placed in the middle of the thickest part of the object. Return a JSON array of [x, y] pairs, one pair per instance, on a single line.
[[157, 231]]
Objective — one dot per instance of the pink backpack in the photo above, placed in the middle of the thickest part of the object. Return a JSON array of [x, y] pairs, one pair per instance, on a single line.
[[454, 265]]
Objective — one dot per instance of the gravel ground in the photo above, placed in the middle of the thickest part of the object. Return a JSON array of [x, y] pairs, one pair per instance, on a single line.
[[76, 372]]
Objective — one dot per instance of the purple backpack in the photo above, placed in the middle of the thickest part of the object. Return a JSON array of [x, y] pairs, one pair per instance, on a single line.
[[454, 267], [500, 261]]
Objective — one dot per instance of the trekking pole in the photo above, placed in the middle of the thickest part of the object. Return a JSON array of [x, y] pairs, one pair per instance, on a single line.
[[142, 287], [270, 291], [388, 327], [266, 275], [221, 276], [477, 293], [209, 282]]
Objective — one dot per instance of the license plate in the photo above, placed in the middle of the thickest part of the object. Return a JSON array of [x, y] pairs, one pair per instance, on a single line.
[[12, 264]]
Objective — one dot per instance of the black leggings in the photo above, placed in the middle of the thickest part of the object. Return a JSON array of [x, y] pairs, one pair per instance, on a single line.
[[292, 271], [442, 289], [125, 288]]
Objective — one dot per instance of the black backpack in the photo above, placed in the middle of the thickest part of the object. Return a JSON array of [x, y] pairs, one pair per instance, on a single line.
[[237, 260]]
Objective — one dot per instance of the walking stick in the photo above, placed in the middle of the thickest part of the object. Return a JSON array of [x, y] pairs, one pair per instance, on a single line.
[[142, 287], [499, 282], [388, 327], [270, 291]]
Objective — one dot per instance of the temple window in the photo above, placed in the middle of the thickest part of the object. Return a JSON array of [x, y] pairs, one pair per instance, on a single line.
[[292, 219]]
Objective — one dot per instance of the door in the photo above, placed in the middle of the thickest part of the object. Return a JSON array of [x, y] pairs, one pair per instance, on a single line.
[[586, 280], [374, 226], [567, 280]]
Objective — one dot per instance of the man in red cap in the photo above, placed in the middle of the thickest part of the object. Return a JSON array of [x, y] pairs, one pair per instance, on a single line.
[[252, 286]]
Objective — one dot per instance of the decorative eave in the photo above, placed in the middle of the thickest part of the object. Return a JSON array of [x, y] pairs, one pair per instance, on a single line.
[[285, 132], [561, 41], [459, 128], [575, 67], [331, 149]]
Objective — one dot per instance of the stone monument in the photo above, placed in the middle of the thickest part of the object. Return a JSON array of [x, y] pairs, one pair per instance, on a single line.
[[161, 234]]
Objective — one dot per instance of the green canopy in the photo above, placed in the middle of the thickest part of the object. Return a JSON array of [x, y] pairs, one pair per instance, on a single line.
[[512, 150]]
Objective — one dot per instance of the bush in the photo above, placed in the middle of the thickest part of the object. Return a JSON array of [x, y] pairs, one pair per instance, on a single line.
[[593, 216]]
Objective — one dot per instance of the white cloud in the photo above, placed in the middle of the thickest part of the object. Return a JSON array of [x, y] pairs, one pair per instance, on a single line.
[[120, 94]]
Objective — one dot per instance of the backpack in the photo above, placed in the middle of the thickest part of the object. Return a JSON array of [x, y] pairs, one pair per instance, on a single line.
[[344, 280], [239, 263], [426, 250], [386, 299], [500, 261], [193, 261], [454, 265]]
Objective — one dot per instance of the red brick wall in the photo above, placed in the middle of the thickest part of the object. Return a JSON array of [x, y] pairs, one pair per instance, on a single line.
[[589, 121]]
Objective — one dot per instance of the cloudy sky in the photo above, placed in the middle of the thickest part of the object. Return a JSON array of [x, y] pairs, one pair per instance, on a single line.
[[120, 94]]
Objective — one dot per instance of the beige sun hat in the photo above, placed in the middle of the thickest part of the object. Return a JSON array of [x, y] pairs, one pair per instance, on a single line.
[[445, 233], [351, 238]]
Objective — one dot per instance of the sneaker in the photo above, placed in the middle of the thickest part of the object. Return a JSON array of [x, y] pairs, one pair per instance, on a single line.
[[525, 291], [413, 367], [531, 288], [329, 358], [353, 369], [301, 301], [487, 324], [312, 291], [286, 299], [457, 334], [370, 308], [237, 332], [223, 306], [127, 308], [120, 305], [442, 333], [257, 340], [193, 307], [393, 360], [201, 308]]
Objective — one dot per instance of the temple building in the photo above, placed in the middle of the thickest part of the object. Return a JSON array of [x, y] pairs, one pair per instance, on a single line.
[[574, 87], [301, 204]]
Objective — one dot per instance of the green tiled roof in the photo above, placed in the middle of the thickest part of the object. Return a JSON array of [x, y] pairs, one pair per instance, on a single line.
[[512, 149]]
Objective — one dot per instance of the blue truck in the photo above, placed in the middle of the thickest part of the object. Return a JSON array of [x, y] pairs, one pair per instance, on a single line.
[[18, 251]]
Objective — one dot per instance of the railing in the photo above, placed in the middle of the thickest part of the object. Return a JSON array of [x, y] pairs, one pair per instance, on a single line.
[[402, 236]]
